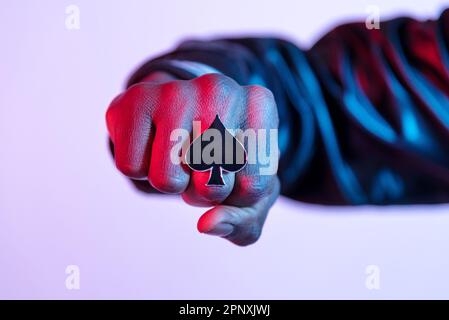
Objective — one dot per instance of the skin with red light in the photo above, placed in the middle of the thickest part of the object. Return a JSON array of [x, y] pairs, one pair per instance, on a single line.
[[140, 122]]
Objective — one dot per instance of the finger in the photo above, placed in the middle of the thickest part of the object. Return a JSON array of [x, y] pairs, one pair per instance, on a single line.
[[130, 127], [216, 96], [200, 194], [167, 173], [240, 225], [256, 180]]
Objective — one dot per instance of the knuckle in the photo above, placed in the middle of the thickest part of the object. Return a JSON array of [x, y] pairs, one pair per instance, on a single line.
[[129, 160], [167, 184], [260, 94], [129, 169], [174, 97], [255, 188], [172, 90], [211, 194], [262, 106], [140, 97], [135, 92], [216, 84]]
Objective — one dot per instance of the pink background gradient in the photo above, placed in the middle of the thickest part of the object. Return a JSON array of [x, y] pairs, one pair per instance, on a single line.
[[62, 202]]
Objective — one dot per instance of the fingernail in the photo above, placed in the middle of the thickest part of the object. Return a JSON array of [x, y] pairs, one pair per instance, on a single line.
[[221, 230]]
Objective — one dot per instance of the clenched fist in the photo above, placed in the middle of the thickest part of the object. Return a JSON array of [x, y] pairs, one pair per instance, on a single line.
[[141, 122]]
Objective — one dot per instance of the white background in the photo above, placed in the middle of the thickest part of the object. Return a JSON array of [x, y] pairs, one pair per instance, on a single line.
[[62, 202]]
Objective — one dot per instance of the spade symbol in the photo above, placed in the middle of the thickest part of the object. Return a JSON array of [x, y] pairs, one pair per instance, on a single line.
[[216, 149]]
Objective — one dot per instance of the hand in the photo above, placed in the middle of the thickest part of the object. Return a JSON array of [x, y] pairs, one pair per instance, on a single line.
[[141, 120]]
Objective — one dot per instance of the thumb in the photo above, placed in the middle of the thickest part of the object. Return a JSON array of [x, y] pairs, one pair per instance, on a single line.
[[240, 225]]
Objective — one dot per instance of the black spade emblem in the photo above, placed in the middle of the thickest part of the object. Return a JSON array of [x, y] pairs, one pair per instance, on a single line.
[[216, 149]]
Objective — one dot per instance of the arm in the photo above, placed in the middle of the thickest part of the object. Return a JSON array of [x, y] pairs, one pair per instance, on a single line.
[[363, 115]]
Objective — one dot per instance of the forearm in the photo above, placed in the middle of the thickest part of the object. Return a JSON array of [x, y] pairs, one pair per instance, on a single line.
[[363, 114]]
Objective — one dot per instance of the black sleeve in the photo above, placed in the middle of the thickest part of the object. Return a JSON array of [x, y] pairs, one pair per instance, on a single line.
[[364, 114]]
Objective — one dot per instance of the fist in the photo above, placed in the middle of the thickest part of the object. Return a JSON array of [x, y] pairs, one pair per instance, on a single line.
[[142, 123]]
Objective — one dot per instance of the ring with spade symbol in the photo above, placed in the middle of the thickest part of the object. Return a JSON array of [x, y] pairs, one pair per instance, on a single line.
[[216, 150]]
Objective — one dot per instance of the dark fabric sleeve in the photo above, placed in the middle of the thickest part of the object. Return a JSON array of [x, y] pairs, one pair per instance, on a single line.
[[364, 114]]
